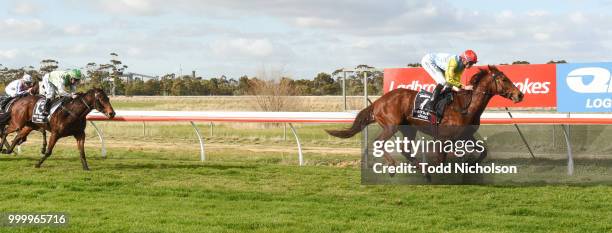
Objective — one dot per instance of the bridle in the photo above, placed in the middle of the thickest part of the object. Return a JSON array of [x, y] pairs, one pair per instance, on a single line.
[[88, 108], [95, 104], [486, 93]]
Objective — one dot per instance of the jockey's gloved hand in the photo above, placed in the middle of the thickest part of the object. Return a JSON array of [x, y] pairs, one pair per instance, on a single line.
[[74, 96]]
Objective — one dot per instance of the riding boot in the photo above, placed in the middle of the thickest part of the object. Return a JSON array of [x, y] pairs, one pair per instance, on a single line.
[[47, 106], [436, 97], [3, 102]]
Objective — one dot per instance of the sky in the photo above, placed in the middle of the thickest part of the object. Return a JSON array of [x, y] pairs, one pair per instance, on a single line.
[[298, 38]]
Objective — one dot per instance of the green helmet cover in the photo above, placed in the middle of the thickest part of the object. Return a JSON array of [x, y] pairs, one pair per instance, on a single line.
[[75, 74]]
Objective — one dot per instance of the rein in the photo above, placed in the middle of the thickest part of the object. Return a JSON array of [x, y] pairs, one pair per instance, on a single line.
[[477, 92], [87, 107]]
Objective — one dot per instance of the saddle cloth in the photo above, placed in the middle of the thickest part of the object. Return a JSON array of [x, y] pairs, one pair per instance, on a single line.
[[39, 108], [423, 108]]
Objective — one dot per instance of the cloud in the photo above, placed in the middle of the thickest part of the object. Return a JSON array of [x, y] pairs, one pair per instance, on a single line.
[[226, 36], [79, 30], [577, 17], [243, 47], [25, 8], [9, 54], [537, 13], [316, 22], [19, 27], [131, 7]]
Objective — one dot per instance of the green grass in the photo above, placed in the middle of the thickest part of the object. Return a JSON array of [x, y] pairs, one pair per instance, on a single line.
[[234, 103], [152, 181], [235, 132], [149, 189]]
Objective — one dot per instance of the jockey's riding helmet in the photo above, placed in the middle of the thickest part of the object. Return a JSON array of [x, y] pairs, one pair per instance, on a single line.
[[27, 78], [75, 74], [470, 56]]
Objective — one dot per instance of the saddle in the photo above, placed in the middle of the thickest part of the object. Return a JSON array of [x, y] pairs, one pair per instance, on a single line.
[[7, 101], [423, 108], [5, 104], [39, 108]]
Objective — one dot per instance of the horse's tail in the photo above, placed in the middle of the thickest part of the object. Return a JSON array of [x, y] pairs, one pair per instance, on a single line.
[[364, 118]]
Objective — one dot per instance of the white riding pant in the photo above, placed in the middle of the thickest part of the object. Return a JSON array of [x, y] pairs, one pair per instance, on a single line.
[[433, 70], [47, 88]]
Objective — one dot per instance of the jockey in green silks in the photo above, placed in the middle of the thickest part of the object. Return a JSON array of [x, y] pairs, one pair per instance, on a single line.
[[59, 83]]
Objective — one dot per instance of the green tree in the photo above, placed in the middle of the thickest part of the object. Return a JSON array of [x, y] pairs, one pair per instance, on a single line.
[[324, 84], [178, 87], [556, 62]]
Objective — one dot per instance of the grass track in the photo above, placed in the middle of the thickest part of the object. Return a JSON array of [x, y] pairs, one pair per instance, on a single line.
[[148, 191], [152, 182]]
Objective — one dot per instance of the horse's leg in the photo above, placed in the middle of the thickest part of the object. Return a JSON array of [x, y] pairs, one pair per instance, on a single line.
[[3, 136], [5, 142], [80, 138], [410, 133], [388, 132], [441, 158], [52, 140], [22, 140], [482, 155], [18, 138], [44, 138]]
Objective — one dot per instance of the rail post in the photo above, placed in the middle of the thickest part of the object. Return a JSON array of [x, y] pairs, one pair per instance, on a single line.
[[344, 88], [297, 140], [197, 131], [570, 158], [284, 131], [101, 137], [521, 134]]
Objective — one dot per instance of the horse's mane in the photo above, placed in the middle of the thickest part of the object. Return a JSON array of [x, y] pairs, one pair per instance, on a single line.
[[81, 95], [481, 74], [90, 91]]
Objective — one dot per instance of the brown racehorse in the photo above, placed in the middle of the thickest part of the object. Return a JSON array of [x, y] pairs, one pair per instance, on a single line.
[[5, 116], [68, 120], [394, 109]]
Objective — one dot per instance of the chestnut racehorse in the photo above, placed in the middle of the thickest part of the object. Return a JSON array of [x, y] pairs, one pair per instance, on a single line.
[[394, 109], [68, 120]]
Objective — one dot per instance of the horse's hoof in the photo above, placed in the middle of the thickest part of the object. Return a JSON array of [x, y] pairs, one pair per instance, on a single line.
[[86, 169], [37, 166]]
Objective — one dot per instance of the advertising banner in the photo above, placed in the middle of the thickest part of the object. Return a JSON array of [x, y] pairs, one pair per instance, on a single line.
[[584, 87], [537, 82]]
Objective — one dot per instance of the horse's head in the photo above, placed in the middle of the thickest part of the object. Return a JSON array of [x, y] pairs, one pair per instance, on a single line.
[[102, 103], [494, 82]]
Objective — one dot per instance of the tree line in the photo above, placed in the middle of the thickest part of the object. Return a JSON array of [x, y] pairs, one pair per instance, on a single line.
[[109, 77]]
